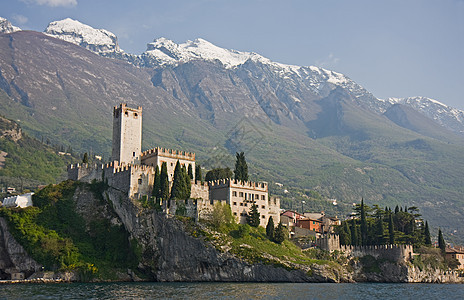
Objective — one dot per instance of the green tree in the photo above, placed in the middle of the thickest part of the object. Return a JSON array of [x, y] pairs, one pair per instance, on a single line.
[[181, 183], [347, 231], [164, 182], [198, 177], [428, 239], [363, 224], [221, 214], [218, 173], [241, 167], [391, 230], [380, 232], [253, 216], [190, 172], [441, 241], [156, 185], [279, 234], [85, 159], [354, 233], [270, 228]]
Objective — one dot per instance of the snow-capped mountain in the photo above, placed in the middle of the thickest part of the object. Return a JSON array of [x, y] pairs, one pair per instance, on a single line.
[[292, 85], [7, 27], [444, 115], [96, 40]]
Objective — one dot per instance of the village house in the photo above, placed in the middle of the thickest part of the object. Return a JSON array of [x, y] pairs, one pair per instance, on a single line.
[[457, 254]]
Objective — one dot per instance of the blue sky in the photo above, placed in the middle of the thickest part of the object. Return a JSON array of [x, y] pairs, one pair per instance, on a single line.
[[392, 48]]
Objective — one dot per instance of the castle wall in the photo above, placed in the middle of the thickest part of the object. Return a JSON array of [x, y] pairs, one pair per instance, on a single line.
[[156, 156], [127, 134], [396, 253], [199, 191]]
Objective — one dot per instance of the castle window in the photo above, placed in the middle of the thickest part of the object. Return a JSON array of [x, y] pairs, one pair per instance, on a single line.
[[126, 113], [263, 207], [246, 204], [140, 180], [133, 154], [263, 197], [235, 213], [240, 194], [135, 115], [241, 204], [234, 193], [235, 203], [263, 216]]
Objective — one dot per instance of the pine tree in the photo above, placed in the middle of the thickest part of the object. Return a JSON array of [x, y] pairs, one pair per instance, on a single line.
[[363, 224], [198, 177], [85, 160], [241, 167], [270, 228], [190, 172], [441, 241], [391, 230], [279, 234], [253, 216], [428, 240], [164, 182]]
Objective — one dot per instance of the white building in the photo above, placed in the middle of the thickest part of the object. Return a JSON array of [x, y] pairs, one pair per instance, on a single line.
[[22, 201]]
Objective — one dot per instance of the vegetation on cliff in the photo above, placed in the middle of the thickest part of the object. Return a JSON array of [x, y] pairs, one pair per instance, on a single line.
[[55, 235]]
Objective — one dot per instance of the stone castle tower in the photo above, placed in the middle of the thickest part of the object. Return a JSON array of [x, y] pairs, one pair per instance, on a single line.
[[127, 134]]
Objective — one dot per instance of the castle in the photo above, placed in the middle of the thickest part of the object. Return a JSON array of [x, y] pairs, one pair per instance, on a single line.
[[132, 172]]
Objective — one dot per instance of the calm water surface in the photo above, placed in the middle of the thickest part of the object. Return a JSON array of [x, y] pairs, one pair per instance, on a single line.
[[202, 291]]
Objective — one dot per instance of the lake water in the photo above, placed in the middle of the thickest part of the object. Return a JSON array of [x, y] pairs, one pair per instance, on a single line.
[[202, 291]]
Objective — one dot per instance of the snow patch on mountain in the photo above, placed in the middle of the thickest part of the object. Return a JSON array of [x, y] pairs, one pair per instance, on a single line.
[[96, 40], [7, 27], [443, 114]]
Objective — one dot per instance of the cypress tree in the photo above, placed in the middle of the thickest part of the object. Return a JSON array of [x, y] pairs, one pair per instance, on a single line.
[[279, 234], [188, 183], [391, 230], [354, 233], [428, 240], [85, 159], [397, 209], [348, 233], [190, 172], [270, 228], [180, 185], [441, 241], [363, 224], [380, 231], [198, 177], [156, 184], [253, 216], [164, 182], [241, 167]]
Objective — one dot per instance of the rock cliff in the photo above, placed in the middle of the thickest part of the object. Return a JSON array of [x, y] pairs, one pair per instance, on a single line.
[[13, 257]]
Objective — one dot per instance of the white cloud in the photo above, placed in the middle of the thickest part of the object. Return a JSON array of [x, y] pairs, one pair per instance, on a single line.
[[20, 19], [53, 3], [328, 62]]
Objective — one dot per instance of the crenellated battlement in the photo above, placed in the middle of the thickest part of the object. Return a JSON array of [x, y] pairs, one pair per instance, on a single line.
[[171, 153], [257, 186]]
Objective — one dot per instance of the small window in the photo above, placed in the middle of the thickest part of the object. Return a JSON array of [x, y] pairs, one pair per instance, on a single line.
[[240, 194], [235, 213], [133, 154], [263, 207], [241, 204], [235, 203], [234, 193], [263, 197], [246, 204], [140, 180], [263, 217], [126, 113], [136, 115], [172, 164]]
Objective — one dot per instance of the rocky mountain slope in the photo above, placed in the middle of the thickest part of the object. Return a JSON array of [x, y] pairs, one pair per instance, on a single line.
[[305, 127]]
